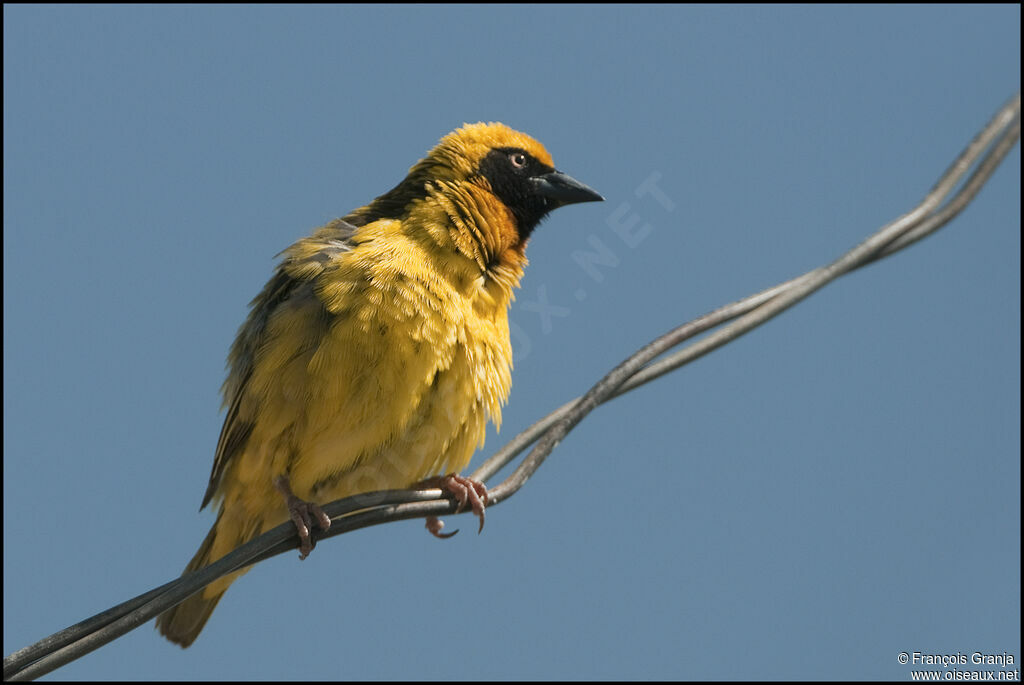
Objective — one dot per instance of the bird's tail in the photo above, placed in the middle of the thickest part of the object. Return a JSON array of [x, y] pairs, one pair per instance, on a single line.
[[181, 624]]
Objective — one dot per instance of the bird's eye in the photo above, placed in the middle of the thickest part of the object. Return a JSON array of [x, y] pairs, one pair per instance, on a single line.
[[518, 159]]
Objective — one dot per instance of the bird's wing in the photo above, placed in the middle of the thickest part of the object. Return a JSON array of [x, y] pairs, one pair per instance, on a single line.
[[303, 262]]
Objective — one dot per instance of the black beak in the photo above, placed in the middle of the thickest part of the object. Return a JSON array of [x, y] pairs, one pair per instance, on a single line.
[[564, 189]]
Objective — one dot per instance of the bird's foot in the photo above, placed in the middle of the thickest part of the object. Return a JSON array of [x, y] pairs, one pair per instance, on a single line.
[[466, 491], [304, 515]]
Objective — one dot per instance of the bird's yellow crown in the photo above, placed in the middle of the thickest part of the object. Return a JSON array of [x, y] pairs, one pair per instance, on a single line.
[[462, 150]]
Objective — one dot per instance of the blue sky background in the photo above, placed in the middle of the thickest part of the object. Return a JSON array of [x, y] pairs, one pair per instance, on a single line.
[[837, 487]]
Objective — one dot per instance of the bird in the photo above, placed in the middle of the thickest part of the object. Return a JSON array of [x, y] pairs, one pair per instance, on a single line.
[[378, 351]]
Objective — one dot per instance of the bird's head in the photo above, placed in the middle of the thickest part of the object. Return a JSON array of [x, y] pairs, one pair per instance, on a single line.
[[496, 160], [517, 169]]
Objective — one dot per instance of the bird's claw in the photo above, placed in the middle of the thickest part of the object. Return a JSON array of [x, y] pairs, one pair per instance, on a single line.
[[303, 514], [435, 525], [466, 491]]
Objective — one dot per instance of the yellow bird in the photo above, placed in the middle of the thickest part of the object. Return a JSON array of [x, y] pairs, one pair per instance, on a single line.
[[378, 351]]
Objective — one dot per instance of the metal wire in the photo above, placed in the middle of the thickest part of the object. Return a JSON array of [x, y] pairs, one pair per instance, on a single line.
[[984, 153]]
